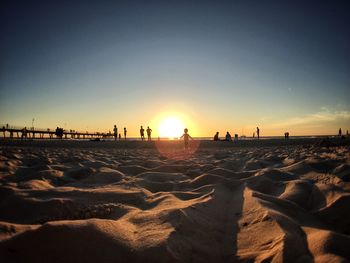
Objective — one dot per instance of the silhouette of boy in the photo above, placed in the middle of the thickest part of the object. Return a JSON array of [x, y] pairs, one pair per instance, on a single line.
[[186, 137]]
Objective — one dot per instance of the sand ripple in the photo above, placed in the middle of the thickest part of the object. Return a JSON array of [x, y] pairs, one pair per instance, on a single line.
[[277, 204]]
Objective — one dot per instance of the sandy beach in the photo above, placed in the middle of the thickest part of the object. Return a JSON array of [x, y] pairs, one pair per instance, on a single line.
[[257, 201]]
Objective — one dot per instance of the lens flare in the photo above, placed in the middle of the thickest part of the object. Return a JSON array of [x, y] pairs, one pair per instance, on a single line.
[[176, 149]]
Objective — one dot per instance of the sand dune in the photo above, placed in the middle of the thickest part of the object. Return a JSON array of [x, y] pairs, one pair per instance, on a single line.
[[139, 203]]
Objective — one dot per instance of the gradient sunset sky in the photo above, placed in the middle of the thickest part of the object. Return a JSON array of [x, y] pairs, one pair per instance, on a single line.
[[217, 65]]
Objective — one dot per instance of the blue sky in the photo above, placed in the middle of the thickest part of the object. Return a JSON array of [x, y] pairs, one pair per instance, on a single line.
[[224, 65]]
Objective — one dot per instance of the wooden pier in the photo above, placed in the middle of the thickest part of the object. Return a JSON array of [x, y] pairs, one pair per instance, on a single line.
[[11, 132]]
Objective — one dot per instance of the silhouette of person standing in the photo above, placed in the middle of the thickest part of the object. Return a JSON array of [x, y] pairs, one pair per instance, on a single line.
[[142, 133], [186, 137], [115, 132], [258, 132], [125, 131], [149, 132], [339, 132]]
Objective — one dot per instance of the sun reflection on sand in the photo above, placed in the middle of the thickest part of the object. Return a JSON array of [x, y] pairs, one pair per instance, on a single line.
[[175, 149]]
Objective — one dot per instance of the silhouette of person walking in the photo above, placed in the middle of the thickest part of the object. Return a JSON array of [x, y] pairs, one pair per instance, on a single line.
[[258, 132], [186, 137], [340, 132], [216, 136], [149, 132], [142, 133], [125, 131], [115, 132]]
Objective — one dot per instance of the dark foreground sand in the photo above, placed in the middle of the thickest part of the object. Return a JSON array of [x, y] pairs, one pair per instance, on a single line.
[[273, 200]]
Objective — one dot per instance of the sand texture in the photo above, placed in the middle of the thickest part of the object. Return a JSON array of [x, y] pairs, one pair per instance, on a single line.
[[108, 203]]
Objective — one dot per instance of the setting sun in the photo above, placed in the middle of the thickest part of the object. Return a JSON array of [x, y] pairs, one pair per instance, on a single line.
[[171, 127]]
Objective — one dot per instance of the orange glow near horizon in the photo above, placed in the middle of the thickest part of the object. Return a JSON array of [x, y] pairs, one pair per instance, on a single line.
[[171, 127], [171, 124]]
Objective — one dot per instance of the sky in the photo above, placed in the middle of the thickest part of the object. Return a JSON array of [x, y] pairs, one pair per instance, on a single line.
[[216, 65]]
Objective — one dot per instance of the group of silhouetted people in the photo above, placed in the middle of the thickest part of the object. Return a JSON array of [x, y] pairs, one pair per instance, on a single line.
[[59, 132], [142, 133], [228, 136], [340, 133], [286, 135], [116, 135], [186, 137], [149, 133]]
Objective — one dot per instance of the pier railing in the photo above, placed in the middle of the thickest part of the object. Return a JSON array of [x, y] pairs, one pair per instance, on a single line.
[[21, 132]]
